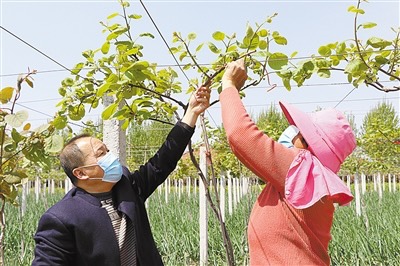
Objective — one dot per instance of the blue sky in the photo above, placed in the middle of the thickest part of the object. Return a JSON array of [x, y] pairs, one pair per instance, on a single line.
[[63, 29]]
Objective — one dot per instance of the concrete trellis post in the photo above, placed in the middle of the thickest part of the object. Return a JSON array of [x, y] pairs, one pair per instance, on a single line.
[[68, 185], [363, 184], [357, 194], [230, 206], [195, 186], [52, 186], [222, 197], [179, 188], [203, 209], [234, 192], [166, 185], [379, 182], [25, 189], [113, 136], [394, 183], [37, 188], [188, 183]]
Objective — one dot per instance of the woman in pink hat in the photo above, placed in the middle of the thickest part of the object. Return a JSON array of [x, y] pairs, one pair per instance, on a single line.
[[291, 220]]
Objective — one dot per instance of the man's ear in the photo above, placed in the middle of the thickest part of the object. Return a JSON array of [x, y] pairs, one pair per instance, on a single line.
[[79, 173]]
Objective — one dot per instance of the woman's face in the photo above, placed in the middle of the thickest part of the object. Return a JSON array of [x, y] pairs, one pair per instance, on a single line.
[[299, 142]]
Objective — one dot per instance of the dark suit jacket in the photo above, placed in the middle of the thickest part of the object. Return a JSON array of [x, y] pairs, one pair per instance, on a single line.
[[77, 231]]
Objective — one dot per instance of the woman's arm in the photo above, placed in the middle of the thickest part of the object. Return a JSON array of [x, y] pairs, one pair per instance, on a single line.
[[266, 158]]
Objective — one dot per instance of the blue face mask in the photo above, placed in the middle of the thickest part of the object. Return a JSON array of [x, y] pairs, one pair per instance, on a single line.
[[112, 168], [288, 135]]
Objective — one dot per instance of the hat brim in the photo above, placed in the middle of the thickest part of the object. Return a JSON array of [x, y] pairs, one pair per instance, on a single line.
[[313, 136]]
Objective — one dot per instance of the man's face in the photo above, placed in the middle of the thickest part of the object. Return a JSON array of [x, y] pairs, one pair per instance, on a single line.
[[93, 150]]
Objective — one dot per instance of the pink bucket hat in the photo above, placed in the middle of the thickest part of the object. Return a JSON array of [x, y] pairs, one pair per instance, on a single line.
[[327, 133]]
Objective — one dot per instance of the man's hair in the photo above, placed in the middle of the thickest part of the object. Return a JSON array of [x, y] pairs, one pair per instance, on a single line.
[[72, 157]]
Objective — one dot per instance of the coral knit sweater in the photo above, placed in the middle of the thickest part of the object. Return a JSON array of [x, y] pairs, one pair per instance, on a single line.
[[278, 233]]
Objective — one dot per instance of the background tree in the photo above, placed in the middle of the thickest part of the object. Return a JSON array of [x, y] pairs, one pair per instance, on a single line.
[[273, 122], [224, 160], [21, 148], [380, 130]]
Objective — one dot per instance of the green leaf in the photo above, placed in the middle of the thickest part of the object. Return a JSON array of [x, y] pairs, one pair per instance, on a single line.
[[125, 124], [355, 10], [6, 94], [112, 15], [218, 36], [105, 48], [263, 33], [112, 78], [381, 60], [69, 82], [76, 113], [378, 42], [134, 50], [147, 34], [111, 36], [16, 136], [183, 55], [135, 16], [10, 147], [280, 40], [292, 55], [60, 122], [54, 144], [78, 67], [251, 43], [102, 89], [192, 36], [109, 111], [263, 45], [355, 67], [12, 179], [324, 73], [368, 25], [249, 32], [341, 48], [213, 48], [349, 78], [286, 83], [324, 50], [199, 47], [277, 60], [17, 119]]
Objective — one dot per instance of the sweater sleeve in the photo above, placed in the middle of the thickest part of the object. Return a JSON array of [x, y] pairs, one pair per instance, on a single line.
[[266, 158]]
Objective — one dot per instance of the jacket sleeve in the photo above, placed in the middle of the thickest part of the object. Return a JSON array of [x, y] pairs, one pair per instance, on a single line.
[[268, 159], [150, 175], [54, 245]]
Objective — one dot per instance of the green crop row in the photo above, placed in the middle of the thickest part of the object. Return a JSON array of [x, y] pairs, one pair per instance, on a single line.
[[370, 239]]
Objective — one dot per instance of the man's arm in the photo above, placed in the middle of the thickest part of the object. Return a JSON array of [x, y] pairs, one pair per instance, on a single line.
[[157, 169], [52, 239]]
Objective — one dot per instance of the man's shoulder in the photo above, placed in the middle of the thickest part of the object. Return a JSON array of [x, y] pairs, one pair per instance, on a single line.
[[72, 202]]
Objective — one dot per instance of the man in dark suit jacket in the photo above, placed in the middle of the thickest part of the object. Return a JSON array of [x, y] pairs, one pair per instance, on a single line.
[[103, 220]]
